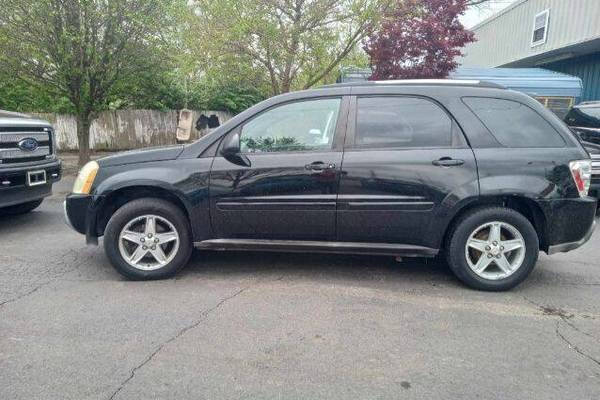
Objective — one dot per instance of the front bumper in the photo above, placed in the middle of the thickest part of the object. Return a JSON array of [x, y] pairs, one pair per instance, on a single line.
[[13, 183], [80, 215]]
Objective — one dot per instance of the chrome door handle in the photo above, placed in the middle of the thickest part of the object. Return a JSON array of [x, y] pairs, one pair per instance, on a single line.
[[319, 166], [447, 162]]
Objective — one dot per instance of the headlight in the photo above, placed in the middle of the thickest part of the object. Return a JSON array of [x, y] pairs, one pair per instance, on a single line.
[[85, 178]]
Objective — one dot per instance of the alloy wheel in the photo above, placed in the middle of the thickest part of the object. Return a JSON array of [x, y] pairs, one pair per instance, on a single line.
[[495, 250], [148, 242]]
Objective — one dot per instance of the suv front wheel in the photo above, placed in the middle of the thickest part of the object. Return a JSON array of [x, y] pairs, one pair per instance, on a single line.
[[148, 239], [492, 249]]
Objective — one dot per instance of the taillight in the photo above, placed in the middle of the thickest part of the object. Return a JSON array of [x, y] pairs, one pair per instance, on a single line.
[[582, 175]]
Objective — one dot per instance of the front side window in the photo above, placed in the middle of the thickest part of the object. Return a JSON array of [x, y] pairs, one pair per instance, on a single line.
[[514, 124], [401, 122], [300, 126]]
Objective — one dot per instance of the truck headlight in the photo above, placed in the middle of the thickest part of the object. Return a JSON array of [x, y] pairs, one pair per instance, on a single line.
[[85, 178]]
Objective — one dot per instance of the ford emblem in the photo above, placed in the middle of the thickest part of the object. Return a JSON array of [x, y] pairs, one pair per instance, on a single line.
[[28, 144]]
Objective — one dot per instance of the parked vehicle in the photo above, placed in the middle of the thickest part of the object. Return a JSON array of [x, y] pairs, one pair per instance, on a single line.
[[584, 120], [28, 162], [484, 175]]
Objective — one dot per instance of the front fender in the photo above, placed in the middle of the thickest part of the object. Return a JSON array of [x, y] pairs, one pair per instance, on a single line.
[[186, 179]]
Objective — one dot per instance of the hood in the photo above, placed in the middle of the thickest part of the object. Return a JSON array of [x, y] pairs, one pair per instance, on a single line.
[[12, 119], [10, 114], [142, 156], [591, 148]]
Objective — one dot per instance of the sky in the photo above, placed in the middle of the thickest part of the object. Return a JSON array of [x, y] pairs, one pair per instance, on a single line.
[[477, 14]]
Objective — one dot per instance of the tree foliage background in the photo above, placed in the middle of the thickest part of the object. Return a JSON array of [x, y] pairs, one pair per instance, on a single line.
[[418, 39], [85, 56]]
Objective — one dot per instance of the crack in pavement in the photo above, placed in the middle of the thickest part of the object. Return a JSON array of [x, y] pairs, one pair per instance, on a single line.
[[180, 333], [60, 261], [565, 317], [572, 346]]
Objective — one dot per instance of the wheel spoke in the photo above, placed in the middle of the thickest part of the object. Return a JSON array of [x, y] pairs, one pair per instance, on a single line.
[[482, 263], [137, 255], [478, 244], [159, 255], [503, 264], [494, 233], [150, 226], [166, 237], [510, 245], [131, 236]]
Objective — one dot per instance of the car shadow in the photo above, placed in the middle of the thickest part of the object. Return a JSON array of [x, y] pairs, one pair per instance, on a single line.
[[33, 219], [321, 267]]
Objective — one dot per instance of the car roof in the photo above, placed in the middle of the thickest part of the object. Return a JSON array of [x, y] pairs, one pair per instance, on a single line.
[[419, 82]]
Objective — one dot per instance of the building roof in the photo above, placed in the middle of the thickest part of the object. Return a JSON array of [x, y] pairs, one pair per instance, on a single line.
[[420, 82], [506, 39], [533, 81]]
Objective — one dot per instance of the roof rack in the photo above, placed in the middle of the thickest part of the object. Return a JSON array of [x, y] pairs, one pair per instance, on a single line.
[[421, 82]]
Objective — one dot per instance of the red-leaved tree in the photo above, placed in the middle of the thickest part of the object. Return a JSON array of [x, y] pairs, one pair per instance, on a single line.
[[418, 39]]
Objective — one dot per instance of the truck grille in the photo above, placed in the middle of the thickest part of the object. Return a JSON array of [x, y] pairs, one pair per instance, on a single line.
[[596, 165], [12, 152]]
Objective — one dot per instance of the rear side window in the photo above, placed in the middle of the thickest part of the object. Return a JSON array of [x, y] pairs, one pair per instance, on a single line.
[[401, 122], [514, 124]]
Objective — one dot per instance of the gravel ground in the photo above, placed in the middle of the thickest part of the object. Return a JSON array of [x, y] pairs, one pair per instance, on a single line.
[[280, 326]]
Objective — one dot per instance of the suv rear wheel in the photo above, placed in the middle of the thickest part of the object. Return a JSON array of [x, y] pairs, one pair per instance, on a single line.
[[148, 239], [493, 249]]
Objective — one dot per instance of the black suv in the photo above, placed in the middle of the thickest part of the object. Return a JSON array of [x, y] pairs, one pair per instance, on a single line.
[[28, 162], [485, 175], [584, 120]]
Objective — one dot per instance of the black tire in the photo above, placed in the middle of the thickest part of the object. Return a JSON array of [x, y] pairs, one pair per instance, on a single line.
[[136, 208], [23, 208], [466, 225]]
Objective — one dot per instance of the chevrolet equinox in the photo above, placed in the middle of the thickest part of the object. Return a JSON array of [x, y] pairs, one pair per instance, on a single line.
[[485, 176]]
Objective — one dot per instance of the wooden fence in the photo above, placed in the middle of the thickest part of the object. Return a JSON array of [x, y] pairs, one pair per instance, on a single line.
[[129, 129]]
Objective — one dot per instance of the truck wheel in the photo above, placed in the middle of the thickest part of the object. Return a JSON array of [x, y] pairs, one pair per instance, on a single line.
[[492, 249], [148, 239], [21, 208]]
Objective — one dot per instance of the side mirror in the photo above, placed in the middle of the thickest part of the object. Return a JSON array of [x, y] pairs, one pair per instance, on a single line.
[[231, 151]]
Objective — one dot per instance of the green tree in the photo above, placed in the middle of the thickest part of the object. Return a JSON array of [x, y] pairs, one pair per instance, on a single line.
[[293, 43], [83, 49]]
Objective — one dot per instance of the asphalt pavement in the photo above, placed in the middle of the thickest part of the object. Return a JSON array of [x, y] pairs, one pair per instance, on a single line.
[[286, 326]]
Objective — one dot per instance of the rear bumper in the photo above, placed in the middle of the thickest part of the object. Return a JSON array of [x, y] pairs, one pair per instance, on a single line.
[[569, 223], [13, 186], [565, 247], [80, 215]]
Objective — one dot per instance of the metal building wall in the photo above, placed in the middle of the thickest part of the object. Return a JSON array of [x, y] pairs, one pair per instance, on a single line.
[[506, 37], [587, 68]]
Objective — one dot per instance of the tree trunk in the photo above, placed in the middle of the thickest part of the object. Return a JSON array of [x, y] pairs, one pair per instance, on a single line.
[[83, 138]]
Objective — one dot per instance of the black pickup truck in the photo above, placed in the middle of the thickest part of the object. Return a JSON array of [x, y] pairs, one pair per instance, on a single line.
[[28, 162], [584, 120]]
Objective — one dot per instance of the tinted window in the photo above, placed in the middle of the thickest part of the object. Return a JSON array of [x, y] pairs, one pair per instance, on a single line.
[[304, 125], [401, 122], [514, 124]]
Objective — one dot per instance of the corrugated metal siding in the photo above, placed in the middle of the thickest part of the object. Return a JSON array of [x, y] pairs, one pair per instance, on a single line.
[[587, 68], [506, 38]]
